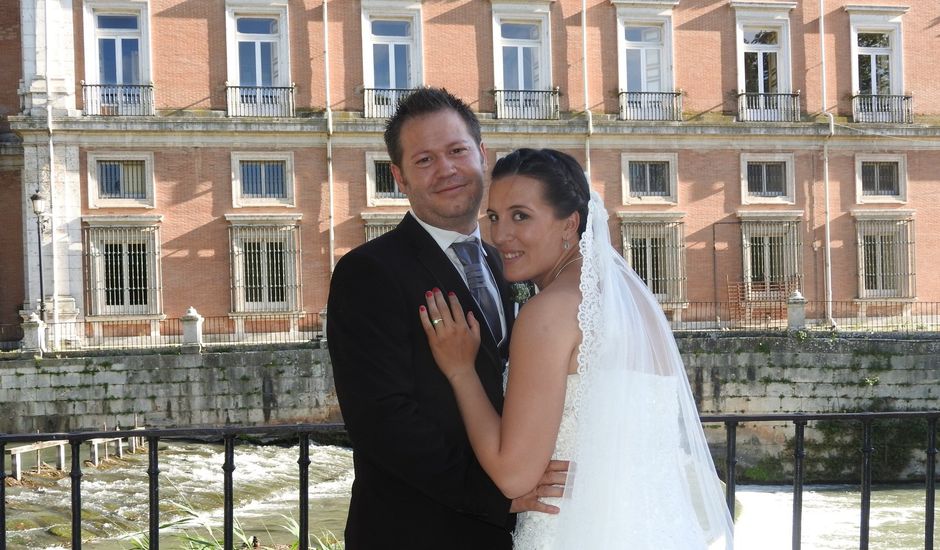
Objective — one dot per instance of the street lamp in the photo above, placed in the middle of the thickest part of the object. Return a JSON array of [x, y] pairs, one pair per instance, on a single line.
[[39, 208]]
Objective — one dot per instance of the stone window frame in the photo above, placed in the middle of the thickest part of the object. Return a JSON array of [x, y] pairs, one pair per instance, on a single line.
[[672, 162], [240, 201], [900, 198], [789, 197], [371, 195], [95, 200], [91, 8], [407, 10]]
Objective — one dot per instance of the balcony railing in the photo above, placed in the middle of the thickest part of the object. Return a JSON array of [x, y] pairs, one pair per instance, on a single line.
[[260, 101], [382, 102], [651, 106], [891, 109], [118, 99], [527, 104], [753, 107]]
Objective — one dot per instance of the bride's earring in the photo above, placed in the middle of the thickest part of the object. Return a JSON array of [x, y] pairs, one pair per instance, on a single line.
[[564, 244]]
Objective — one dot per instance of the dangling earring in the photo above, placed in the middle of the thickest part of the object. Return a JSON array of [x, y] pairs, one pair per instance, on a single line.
[[564, 244]]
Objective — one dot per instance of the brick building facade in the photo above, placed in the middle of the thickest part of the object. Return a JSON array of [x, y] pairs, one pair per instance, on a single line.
[[223, 154]]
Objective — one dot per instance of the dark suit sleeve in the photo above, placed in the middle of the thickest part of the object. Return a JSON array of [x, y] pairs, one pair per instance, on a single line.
[[371, 334]]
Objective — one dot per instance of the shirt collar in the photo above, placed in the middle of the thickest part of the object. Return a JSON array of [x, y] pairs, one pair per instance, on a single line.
[[445, 237]]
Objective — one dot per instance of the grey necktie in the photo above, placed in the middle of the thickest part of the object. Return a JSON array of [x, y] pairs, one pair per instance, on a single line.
[[482, 287]]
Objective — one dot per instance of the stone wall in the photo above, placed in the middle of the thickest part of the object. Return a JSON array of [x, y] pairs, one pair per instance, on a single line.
[[167, 389]]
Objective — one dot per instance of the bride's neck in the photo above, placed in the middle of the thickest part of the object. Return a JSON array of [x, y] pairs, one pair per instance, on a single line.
[[566, 262]]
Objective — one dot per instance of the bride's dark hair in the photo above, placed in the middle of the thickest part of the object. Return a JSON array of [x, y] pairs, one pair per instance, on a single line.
[[566, 187]]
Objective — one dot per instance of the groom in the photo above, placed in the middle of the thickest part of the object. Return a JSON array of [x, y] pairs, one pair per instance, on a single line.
[[418, 484]]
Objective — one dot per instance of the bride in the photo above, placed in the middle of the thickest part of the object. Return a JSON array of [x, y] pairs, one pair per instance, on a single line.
[[595, 377]]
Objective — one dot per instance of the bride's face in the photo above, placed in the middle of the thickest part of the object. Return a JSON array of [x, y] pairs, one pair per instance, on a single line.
[[524, 229]]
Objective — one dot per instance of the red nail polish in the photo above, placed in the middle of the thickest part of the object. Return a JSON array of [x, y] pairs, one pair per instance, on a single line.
[[428, 294], [422, 308], [451, 293], [436, 289]]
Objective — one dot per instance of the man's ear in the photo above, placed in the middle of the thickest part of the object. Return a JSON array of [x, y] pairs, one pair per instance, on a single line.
[[483, 155], [399, 180]]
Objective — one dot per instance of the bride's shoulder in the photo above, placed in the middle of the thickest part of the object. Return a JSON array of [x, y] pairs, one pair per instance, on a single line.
[[555, 304]]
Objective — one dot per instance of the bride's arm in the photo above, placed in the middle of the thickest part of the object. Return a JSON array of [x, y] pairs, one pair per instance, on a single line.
[[513, 450]]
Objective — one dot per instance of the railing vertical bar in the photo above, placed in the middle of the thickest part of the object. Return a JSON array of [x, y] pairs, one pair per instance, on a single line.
[[3, 496], [153, 478], [731, 461], [76, 475], [931, 481], [304, 463], [228, 467], [798, 454], [867, 450]]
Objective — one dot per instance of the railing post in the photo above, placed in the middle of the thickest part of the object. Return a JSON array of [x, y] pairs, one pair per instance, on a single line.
[[76, 475], [798, 454], [931, 481], [303, 528], [228, 493], [153, 475], [867, 450], [34, 333], [192, 331], [796, 311], [731, 460]]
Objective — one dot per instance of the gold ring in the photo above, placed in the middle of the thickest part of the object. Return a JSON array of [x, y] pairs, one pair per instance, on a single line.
[[434, 322]]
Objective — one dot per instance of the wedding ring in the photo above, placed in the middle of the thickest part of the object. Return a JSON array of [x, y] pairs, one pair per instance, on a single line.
[[434, 322]]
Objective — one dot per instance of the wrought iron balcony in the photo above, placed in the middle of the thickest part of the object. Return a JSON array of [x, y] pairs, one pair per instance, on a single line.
[[650, 105], [754, 107], [118, 99], [382, 102], [527, 104], [260, 101], [892, 109]]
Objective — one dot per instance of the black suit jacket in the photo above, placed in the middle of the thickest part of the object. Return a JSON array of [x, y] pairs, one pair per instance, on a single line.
[[418, 484]]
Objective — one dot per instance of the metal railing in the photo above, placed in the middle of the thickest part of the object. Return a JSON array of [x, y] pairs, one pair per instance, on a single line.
[[894, 109], [800, 421], [117, 334], [651, 106], [300, 433], [303, 432], [260, 101], [10, 336], [382, 102], [117, 99], [754, 107], [527, 104]]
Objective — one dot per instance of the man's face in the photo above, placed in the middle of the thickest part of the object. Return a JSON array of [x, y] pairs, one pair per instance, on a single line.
[[441, 170]]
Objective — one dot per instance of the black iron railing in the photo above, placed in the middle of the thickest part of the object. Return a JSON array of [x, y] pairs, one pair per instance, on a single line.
[[527, 104], [892, 109], [300, 432], [303, 432], [651, 106], [754, 107], [867, 420], [117, 99], [382, 102], [260, 101]]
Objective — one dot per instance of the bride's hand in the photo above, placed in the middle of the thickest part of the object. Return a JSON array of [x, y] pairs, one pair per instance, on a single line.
[[454, 338]]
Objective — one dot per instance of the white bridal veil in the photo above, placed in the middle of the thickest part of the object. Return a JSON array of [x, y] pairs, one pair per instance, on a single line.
[[642, 476]]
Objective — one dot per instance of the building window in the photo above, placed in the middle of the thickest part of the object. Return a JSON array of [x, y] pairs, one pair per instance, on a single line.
[[262, 179], [648, 178], [391, 48], [876, 46], [885, 254], [880, 179], [117, 59], [265, 261], [380, 223], [522, 60], [123, 266], [120, 180], [655, 249], [258, 59], [763, 38], [381, 187], [771, 254], [767, 179]]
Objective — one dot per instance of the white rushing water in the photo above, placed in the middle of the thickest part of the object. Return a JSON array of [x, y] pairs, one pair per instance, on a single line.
[[114, 504]]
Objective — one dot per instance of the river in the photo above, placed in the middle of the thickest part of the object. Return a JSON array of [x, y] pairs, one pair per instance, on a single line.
[[114, 504]]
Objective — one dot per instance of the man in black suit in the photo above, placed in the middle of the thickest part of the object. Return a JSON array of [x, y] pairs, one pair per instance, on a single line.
[[418, 484]]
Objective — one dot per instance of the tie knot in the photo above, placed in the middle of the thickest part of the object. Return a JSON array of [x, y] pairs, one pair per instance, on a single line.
[[468, 252]]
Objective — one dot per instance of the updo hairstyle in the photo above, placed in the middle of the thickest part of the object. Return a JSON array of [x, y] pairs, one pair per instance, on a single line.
[[565, 187]]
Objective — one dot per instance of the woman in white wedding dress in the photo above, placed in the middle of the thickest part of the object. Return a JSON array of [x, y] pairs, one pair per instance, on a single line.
[[595, 378]]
